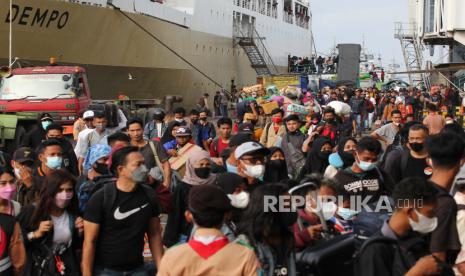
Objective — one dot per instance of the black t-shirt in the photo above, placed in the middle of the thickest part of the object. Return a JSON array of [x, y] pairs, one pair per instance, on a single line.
[[374, 183], [121, 237], [416, 167], [150, 158], [445, 238], [413, 167]]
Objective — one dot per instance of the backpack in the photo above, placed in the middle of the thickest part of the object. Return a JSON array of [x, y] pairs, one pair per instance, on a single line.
[[367, 223], [406, 254], [88, 188], [216, 144]]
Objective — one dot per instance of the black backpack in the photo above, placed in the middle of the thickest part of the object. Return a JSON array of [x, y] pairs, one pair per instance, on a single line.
[[89, 187], [367, 223], [406, 254]]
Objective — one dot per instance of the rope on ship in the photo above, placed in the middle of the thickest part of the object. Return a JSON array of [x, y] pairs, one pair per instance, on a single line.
[[168, 47]]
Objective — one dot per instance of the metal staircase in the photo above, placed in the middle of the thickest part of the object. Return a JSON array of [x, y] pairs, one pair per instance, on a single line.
[[257, 53], [412, 50]]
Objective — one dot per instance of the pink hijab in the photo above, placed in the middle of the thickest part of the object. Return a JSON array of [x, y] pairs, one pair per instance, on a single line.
[[190, 177]]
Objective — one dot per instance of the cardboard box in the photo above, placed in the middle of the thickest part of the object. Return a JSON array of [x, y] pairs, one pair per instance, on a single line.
[[178, 163], [268, 107]]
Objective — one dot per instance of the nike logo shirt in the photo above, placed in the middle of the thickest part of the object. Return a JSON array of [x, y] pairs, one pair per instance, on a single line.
[[122, 228]]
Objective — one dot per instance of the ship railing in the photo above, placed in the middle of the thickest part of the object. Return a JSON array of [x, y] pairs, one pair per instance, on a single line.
[[262, 49], [288, 17]]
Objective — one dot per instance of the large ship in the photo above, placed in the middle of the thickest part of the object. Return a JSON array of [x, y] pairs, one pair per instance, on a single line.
[[151, 48]]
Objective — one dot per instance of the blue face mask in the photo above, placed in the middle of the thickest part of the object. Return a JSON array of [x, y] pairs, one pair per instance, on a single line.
[[365, 166], [346, 213], [231, 168], [54, 162], [45, 124]]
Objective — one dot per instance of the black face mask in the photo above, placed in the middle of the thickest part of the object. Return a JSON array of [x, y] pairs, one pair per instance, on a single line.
[[324, 154], [287, 219], [203, 119], [101, 168], [331, 120], [203, 173], [277, 164], [347, 157], [195, 121], [417, 147]]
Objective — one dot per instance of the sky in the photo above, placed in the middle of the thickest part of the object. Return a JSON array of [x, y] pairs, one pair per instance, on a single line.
[[348, 21]]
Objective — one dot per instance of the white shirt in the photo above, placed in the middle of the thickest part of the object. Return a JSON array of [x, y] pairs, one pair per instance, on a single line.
[[90, 139], [159, 129], [61, 229], [81, 140]]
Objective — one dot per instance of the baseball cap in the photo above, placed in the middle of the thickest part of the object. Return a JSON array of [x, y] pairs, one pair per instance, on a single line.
[[239, 139], [23, 154], [183, 131], [246, 127], [208, 198], [88, 114], [250, 147], [46, 116]]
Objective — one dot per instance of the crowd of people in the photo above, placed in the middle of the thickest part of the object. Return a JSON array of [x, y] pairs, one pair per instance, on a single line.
[[188, 196], [313, 65]]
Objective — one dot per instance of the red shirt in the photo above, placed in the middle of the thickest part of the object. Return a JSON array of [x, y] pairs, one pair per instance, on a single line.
[[221, 146]]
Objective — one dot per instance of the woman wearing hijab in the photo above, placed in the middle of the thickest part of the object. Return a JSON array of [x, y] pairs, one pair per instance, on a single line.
[[275, 166], [343, 158], [198, 172], [317, 159], [169, 135]]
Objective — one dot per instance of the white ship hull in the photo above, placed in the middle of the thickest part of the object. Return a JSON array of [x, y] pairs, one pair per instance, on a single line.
[[121, 58]]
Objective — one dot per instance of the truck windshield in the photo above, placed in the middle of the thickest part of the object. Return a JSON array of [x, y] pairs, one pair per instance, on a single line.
[[36, 86]]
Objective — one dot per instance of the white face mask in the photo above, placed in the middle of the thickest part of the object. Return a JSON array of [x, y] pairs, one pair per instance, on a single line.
[[424, 225], [255, 171], [240, 200], [179, 120], [328, 209], [17, 173]]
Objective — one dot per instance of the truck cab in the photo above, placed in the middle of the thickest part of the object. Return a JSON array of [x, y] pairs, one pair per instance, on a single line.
[[62, 91]]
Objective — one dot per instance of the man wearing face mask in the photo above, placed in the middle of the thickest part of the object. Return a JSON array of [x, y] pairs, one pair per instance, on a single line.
[[446, 157], [329, 127], [205, 131], [273, 132], [292, 145], [156, 128], [179, 114], [98, 135], [36, 135], [118, 216], [251, 163], [23, 160], [97, 173], [388, 132], [51, 159], [412, 160], [363, 178], [70, 163], [229, 160], [397, 248]]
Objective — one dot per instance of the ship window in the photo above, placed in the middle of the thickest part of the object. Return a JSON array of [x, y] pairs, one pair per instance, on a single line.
[[428, 18]]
